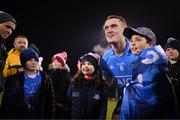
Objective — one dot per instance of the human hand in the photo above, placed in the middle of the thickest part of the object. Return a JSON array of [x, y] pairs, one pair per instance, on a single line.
[[115, 116]]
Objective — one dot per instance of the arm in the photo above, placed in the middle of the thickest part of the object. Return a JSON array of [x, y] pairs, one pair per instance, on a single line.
[[49, 99], [106, 72], [103, 106], [6, 70], [116, 112], [68, 100], [11, 70]]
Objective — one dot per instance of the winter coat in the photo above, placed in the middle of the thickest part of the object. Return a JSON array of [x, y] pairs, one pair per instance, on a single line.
[[13, 103], [175, 77], [60, 81], [86, 100]]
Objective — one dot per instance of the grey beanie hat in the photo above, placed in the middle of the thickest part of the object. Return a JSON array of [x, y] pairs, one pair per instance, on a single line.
[[4, 17]]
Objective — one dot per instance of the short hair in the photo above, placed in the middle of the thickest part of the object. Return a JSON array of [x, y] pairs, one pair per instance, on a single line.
[[20, 36], [121, 19]]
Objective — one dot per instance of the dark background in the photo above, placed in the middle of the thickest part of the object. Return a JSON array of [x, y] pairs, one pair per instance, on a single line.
[[76, 26]]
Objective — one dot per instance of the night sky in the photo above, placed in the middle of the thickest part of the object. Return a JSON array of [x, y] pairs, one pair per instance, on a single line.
[[75, 27]]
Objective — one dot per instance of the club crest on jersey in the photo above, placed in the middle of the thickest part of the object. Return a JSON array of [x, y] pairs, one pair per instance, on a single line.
[[96, 97], [75, 94], [111, 67], [151, 57]]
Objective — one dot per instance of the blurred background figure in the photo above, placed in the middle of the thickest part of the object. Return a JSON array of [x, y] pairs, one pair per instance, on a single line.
[[100, 48], [172, 49], [12, 63]]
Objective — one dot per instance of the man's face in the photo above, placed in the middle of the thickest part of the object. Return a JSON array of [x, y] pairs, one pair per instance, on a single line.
[[6, 29], [87, 68], [32, 64], [113, 29], [172, 54], [138, 43], [21, 43]]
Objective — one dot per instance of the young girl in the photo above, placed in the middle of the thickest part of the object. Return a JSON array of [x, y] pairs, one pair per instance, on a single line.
[[59, 73], [149, 94], [87, 96]]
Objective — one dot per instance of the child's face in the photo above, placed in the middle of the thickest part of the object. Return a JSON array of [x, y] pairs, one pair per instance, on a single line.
[[139, 43], [32, 64], [172, 54], [87, 68], [56, 64]]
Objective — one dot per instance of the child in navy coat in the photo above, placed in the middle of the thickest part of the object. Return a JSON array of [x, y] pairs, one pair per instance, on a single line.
[[87, 96]]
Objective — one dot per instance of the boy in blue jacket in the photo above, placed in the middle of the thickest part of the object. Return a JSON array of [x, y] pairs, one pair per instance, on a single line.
[[149, 94]]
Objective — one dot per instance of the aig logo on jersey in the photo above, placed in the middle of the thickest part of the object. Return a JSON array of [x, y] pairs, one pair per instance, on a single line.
[[75, 94], [96, 97]]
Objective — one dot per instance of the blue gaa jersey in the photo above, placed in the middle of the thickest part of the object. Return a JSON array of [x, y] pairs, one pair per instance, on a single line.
[[118, 66], [149, 94]]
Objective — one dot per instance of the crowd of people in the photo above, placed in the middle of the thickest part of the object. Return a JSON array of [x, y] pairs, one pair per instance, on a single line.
[[145, 76]]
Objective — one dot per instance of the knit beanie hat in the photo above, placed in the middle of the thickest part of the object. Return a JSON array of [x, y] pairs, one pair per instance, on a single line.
[[93, 58], [60, 57], [172, 43], [27, 54], [5, 17]]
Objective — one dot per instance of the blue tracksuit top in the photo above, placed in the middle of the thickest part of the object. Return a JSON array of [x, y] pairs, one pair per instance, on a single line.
[[149, 94]]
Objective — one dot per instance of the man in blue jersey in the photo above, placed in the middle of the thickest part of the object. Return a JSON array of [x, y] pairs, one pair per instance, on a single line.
[[116, 61]]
